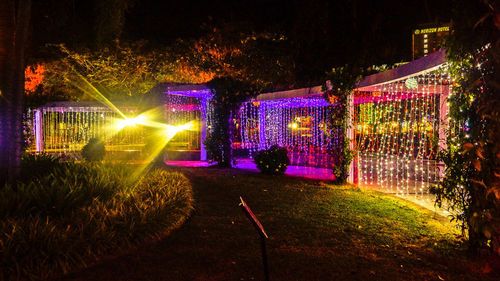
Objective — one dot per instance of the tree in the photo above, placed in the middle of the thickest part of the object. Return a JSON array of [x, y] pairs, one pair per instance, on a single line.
[[471, 185], [228, 94], [260, 58], [14, 23], [243, 65], [119, 71]]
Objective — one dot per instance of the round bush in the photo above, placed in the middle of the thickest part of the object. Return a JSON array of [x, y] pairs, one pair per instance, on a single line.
[[272, 161], [81, 212], [94, 150]]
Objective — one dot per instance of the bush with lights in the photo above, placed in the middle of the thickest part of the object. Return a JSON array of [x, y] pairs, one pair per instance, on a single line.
[[273, 161], [471, 184], [341, 82]]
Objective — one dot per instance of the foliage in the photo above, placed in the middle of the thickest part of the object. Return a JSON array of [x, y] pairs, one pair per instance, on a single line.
[[471, 186], [345, 155], [228, 93], [33, 76], [243, 65], [341, 83], [94, 150], [36, 165], [78, 213], [121, 70], [273, 160], [118, 71], [244, 55]]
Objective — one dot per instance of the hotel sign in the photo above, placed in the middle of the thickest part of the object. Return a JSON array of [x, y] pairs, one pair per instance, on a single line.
[[432, 30]]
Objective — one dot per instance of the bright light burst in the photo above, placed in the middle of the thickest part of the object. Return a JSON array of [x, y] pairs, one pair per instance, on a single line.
[[161, 139], [130, 122], [161, 133]]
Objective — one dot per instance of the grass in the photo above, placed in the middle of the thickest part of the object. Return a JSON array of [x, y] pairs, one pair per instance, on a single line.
[[78, 213], [317, 232]]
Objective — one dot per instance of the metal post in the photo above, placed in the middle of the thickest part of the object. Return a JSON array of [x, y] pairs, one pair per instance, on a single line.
[[264, 257], [262, 234]]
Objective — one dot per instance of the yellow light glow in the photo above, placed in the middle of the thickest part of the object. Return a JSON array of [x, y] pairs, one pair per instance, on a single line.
[[171, 131], [161, 138], [139, 120], [130, 122], [293, 125]]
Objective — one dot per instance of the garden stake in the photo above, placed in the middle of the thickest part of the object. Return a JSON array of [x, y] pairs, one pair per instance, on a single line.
[[262, 234]]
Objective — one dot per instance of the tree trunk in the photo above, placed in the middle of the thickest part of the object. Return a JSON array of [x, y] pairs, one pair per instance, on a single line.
[[228, 151], [224, 135], [14, 23]]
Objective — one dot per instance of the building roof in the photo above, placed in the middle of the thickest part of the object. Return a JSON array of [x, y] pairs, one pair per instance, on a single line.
[[295, 93], [192, 90], [414, 68]]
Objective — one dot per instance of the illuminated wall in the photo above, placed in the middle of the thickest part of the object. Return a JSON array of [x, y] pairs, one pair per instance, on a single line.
[[64, 128], [399, 127], [299, 124]]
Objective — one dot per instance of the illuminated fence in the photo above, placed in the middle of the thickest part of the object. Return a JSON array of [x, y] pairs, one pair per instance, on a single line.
[[294, 119], [398, 124], [63, 128]]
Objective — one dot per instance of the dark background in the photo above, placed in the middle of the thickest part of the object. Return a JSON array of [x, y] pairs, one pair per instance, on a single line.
[[321, 34]]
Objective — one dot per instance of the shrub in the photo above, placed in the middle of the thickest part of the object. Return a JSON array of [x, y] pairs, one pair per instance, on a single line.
[[272, 161], [37, 165], [94, 150], [79, 212]]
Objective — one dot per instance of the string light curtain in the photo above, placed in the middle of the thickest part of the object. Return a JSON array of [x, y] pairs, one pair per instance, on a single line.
[[298, 124], [67, 129], [399, 128], [179, 110]]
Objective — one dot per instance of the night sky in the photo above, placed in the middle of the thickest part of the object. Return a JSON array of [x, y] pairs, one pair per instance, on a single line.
[[323, 34], [388, 23]]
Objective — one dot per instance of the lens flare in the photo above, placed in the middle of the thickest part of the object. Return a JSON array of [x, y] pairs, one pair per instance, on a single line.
[[293, 125], [160, 133], [161, 139], [86, 87], [170, 130], [131, 122]]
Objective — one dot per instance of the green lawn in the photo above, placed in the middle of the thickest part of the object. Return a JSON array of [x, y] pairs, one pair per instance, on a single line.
[[317, 232]]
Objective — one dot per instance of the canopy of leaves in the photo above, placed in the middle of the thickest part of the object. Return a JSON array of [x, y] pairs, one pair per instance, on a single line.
[[133, 69], [472, 180], [118, 72], [256, 58]]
